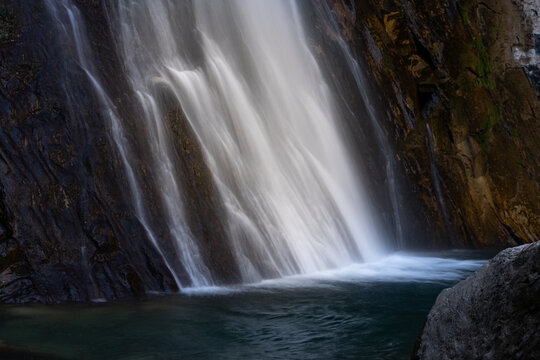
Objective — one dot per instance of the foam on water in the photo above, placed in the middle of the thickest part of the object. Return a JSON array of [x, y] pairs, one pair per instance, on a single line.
[[400, 267], [370, 311]]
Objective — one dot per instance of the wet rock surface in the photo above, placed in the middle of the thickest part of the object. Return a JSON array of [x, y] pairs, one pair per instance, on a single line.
[[493, 314], [203, 208], [66, 234], [449, 68], [68, 230]]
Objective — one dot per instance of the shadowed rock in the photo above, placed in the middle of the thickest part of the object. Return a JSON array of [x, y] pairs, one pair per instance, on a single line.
[[451, 64], [494, 314]]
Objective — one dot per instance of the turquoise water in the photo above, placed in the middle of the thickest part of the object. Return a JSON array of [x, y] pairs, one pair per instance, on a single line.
[[365, 311]]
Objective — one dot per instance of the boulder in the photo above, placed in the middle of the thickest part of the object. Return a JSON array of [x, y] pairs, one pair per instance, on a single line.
[[493, 314]]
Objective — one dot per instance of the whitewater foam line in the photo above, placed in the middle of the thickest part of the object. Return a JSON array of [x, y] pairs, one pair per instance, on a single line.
[[399, 267]]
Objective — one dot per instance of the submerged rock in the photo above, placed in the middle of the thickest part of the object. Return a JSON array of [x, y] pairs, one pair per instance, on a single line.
[[494, 314]]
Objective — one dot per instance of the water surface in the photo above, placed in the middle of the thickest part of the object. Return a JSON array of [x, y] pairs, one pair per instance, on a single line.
[[364, 311]]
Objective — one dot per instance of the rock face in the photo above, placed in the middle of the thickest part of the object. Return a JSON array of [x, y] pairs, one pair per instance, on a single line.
[[461, 110], [67, 232], [494, 314]]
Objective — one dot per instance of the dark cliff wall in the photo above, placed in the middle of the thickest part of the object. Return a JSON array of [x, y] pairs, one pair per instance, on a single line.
[[66, 231], [462, 112], [68, 227]]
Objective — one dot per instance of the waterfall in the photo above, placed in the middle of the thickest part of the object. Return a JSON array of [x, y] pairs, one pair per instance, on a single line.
[[326, 15], [266, 120], [73, 31], [437, 182]]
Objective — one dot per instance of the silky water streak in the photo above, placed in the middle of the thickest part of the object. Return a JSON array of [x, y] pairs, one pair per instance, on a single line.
[[266, 120], [186, 259]]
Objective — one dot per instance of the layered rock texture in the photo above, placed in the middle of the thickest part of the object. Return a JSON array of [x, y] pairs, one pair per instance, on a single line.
[[65, 233], [458, 81], [68, 232], [494, 314]]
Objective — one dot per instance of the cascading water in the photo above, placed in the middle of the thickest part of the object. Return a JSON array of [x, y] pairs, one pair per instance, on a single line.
[[72, 28], [267, 122], [265, 118], [326, 15]]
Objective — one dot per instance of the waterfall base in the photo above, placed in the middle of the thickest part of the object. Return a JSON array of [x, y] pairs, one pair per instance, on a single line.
[[364, 311]]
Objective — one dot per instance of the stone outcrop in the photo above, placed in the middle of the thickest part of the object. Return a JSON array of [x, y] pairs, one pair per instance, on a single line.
[[461, 110], [494, 314]]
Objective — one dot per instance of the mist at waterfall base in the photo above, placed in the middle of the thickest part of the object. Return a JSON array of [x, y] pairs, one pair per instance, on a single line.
[[364, 311]]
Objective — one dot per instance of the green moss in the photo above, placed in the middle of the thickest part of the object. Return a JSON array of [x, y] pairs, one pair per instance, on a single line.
[[492, 118], [464, 12], [484, 72], [479, 45], [483, 66]]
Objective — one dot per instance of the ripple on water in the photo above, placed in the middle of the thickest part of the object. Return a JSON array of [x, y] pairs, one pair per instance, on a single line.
[[363, 311]]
